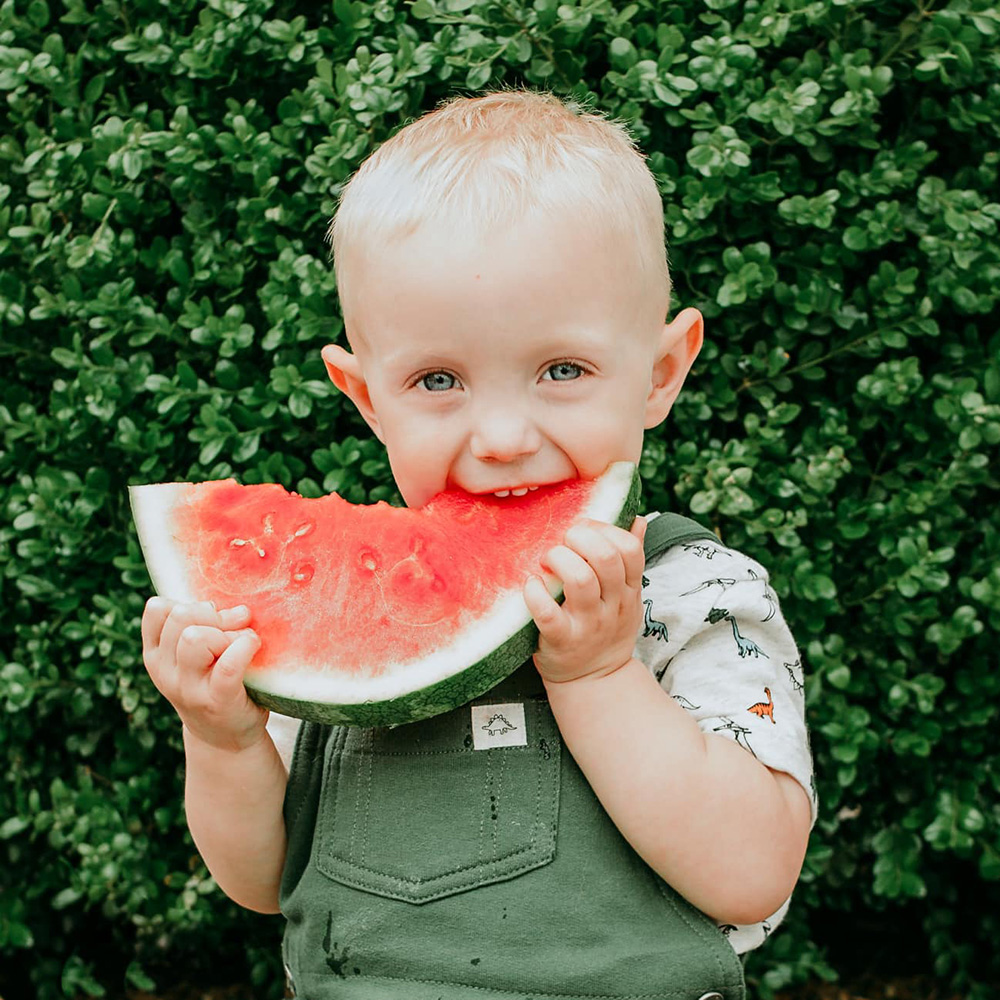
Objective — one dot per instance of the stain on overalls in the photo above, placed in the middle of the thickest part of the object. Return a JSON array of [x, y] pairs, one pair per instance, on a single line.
[[421, 868]]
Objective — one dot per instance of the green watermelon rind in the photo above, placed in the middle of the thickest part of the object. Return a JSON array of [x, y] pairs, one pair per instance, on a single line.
[[443, 695]]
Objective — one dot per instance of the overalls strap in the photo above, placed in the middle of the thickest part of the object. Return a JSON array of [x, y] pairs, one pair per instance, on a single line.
[[671, 529]]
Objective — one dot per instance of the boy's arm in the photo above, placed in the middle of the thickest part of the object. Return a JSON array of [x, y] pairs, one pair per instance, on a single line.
[[197, 656], [234, 803], [726, 832]]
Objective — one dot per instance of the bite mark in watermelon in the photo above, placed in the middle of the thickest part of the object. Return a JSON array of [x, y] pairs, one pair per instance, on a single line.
[[369, 614]]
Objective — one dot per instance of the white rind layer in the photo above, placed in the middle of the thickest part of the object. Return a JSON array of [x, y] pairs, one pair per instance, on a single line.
[[151, 505]]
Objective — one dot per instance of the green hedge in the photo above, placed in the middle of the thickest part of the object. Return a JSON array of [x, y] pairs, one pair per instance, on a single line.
[[829, 173]]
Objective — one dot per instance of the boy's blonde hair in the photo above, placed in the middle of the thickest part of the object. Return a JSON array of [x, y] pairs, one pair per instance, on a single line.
[[479, 164]]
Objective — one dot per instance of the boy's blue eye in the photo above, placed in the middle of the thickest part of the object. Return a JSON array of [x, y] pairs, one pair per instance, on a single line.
[[564, 371], [437, 381]]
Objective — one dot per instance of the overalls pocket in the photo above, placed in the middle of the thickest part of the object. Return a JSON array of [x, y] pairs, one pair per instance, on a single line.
[[417, 813]]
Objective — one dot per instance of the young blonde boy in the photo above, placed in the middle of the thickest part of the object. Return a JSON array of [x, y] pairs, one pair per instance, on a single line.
[[502, 274]]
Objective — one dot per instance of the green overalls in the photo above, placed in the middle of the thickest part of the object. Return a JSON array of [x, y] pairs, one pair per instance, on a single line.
[[422, 868]]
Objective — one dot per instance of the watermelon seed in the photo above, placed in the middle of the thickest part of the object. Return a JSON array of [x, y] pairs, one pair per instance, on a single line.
[[238, 542], [303, 529]]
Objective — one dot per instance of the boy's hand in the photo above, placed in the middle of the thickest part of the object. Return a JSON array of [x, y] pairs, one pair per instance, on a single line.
[[593, 631], [196, 657]]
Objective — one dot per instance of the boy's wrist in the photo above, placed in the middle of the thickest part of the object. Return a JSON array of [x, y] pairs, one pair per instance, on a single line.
[[234, 746], [595, 675]]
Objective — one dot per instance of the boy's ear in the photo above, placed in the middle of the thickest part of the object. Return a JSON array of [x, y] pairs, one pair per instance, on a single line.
[[678, 346], [346, 374]]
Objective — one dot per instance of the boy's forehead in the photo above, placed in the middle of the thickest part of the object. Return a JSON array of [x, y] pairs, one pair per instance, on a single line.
[[449, 243], [560, 281], [525, 263]]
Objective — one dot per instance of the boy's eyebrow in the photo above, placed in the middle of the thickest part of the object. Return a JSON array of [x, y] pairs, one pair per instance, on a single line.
[[412, 358], [577, 342]]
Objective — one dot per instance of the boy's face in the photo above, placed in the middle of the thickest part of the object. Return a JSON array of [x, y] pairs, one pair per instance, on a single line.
[[535, 358]]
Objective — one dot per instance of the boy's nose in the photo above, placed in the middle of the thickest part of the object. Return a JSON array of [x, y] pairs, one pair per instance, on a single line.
[[503, 435]]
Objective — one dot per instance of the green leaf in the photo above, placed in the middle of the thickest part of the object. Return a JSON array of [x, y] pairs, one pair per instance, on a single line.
[[13, 826], [66, 897], [344, 11], [855, 239], [703, 502], [38, 13], [840, 676], [324, 70], [478, 75], [300, 404], [422, 9], [136, 976]]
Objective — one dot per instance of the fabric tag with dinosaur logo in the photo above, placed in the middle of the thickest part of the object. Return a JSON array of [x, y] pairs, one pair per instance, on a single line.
[[498, 726]]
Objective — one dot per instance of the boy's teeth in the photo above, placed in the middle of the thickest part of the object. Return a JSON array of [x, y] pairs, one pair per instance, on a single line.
[[519, 492]]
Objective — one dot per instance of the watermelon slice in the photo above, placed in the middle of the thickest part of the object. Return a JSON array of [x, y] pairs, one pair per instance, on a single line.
[[369, 615]]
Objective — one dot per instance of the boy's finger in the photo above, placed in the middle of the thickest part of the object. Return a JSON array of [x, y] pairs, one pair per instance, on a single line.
[[602, 552], [543, 608], [200, 613], [580, 583], [634, 556], [628, 546], [198, 647], [154, 616], [227, 674], [180, 617]]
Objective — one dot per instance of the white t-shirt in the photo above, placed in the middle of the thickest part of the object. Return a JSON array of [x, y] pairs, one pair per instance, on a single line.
[[716, 640]]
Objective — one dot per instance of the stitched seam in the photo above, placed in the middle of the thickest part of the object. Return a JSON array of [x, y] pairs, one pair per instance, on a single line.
[[422, 753], [483, 805], [492, 990], [357, 794], [698, 931], [494, 825], [401, 880], [368, 797], [300, 794], [326, 789]]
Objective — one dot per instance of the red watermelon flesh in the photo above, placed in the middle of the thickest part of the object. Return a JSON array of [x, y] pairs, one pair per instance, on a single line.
[[349, 600]]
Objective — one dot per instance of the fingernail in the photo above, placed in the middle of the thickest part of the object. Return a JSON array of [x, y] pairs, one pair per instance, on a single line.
[[241, 610]]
